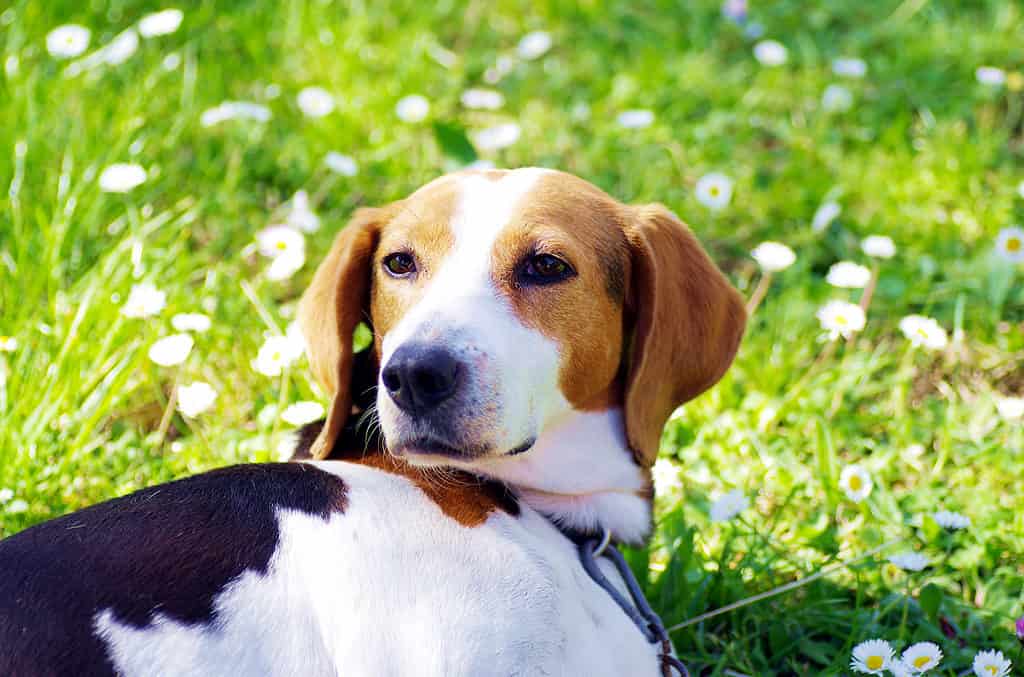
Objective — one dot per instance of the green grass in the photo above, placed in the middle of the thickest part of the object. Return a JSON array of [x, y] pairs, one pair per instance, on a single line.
[[926, 155]]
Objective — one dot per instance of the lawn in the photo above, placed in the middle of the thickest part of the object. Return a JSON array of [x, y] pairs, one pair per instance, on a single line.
[[904, 137]]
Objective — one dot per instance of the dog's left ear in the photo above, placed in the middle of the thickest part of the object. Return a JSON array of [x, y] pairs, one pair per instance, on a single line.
[[330, 309], [688, 321]]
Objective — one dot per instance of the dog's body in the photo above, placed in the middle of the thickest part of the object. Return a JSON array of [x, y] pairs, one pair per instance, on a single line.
[[527, 329]]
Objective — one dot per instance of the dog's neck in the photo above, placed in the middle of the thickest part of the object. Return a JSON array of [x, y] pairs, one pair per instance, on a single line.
[[582, 475]]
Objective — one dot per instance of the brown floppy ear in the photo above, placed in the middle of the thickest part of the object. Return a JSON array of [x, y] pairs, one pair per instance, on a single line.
[[688, 321], [329, 311]]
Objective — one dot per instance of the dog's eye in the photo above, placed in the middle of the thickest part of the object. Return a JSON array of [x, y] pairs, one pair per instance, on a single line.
[[545, 269], [399, 264]]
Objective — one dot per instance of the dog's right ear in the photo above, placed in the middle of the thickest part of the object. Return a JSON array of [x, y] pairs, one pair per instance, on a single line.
[[335, 302]]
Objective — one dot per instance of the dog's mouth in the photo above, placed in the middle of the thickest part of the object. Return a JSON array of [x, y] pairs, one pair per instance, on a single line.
[[423, 449]]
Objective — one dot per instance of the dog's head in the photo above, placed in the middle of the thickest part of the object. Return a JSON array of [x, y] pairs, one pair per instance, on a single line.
[[526, 326]]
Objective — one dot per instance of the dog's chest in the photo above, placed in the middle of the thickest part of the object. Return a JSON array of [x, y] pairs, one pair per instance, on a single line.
[[394, 587]]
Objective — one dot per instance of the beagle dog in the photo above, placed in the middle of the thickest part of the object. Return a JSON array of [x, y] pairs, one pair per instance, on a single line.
[[531, 336]]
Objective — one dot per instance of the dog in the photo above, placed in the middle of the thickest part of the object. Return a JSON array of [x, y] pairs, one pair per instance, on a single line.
[[531, 336]]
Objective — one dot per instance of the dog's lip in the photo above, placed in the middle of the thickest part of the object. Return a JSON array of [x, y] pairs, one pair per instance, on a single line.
[[429, 446]]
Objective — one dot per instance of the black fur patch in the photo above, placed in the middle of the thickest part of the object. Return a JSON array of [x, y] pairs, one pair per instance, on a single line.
[[169, 549]]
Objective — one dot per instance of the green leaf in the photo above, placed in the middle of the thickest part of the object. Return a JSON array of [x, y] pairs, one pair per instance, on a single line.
[[930, 600], [454, 143]]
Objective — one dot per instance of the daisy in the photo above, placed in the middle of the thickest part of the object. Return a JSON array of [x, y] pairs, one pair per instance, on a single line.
[[195, 398], [18, 505], [412, 108], [878, 246], [924, 331], [234, 110], [190, 322], [302, 413], [825, 215], [1010, 408], [848, 275], [67, 41], [991, 664], [953, 521], [275, 241], [315, 102], [770, 53], [276, 353], [121, 177], [773, 256], [503, 65], [990, 75], [171, 350], [872, 657], [714, 191], [6, 494], [855, 482], [534, 45], [1010, 244], [840, 318], [286, 265], [341, 164], [115, 52], [846, 67], [487, 99], [836, 99], [497, 137], [922, 656], [635, 119], [171, 61], [144, 300], [729, 505], [301, 217], [160, 23], [909, 561], [900, 669], [665, 474], [8, 344]]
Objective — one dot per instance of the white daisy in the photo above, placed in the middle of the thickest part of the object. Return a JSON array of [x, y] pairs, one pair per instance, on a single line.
[[18, 505], [991, 664], [878, 246], [302, 413], [836, 99], [234, 110], [922, 656], [855, 482], [773, 256], [275, 241], [1010, 408], [276, 353], [825, 215], [503, 65], [841, 318], [115, 52], [848, 67], [160, 23], [6, 494], [487, 99], [121, 177], [497, 137], [67, 41], [534, 45], [714, 191], [900, 669], [909, 561], [872, 657], [924, 331], [954, 521], [340, 163], [848, 275], [144, 300], [666, 478], [286, 265], [170, 62], [190, 322], [770, 53], [195, 398], [315, 102], [8, 344], [1010, 244], [635, 119], [301, 216], [990, 75], [171, 350], [729, 506], [412, 108]]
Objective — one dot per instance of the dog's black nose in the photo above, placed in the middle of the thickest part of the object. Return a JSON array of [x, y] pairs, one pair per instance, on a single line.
[[419, 377]]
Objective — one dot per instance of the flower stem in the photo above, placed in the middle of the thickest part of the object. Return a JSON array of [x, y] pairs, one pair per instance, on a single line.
[[759, 293], [869, 290]]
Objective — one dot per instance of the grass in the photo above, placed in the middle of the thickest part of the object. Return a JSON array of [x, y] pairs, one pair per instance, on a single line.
[[926, 155]]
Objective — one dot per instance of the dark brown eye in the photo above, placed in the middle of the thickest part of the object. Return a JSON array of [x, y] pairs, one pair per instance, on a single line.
[[399, 264], [545, 269]]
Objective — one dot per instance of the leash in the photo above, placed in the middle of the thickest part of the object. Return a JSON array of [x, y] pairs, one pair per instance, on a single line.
[[639, 611]]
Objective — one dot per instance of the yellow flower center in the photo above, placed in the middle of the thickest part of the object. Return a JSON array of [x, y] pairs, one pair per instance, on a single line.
[[841, 320], [714, 191], [276, 356], [874, 662], [281, 244], [922, 333], [855, 483], [922, 661], [991, 669], [1013, 244]]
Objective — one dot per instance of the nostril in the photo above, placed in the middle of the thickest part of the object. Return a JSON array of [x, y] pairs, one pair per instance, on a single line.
[[392, 379]]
